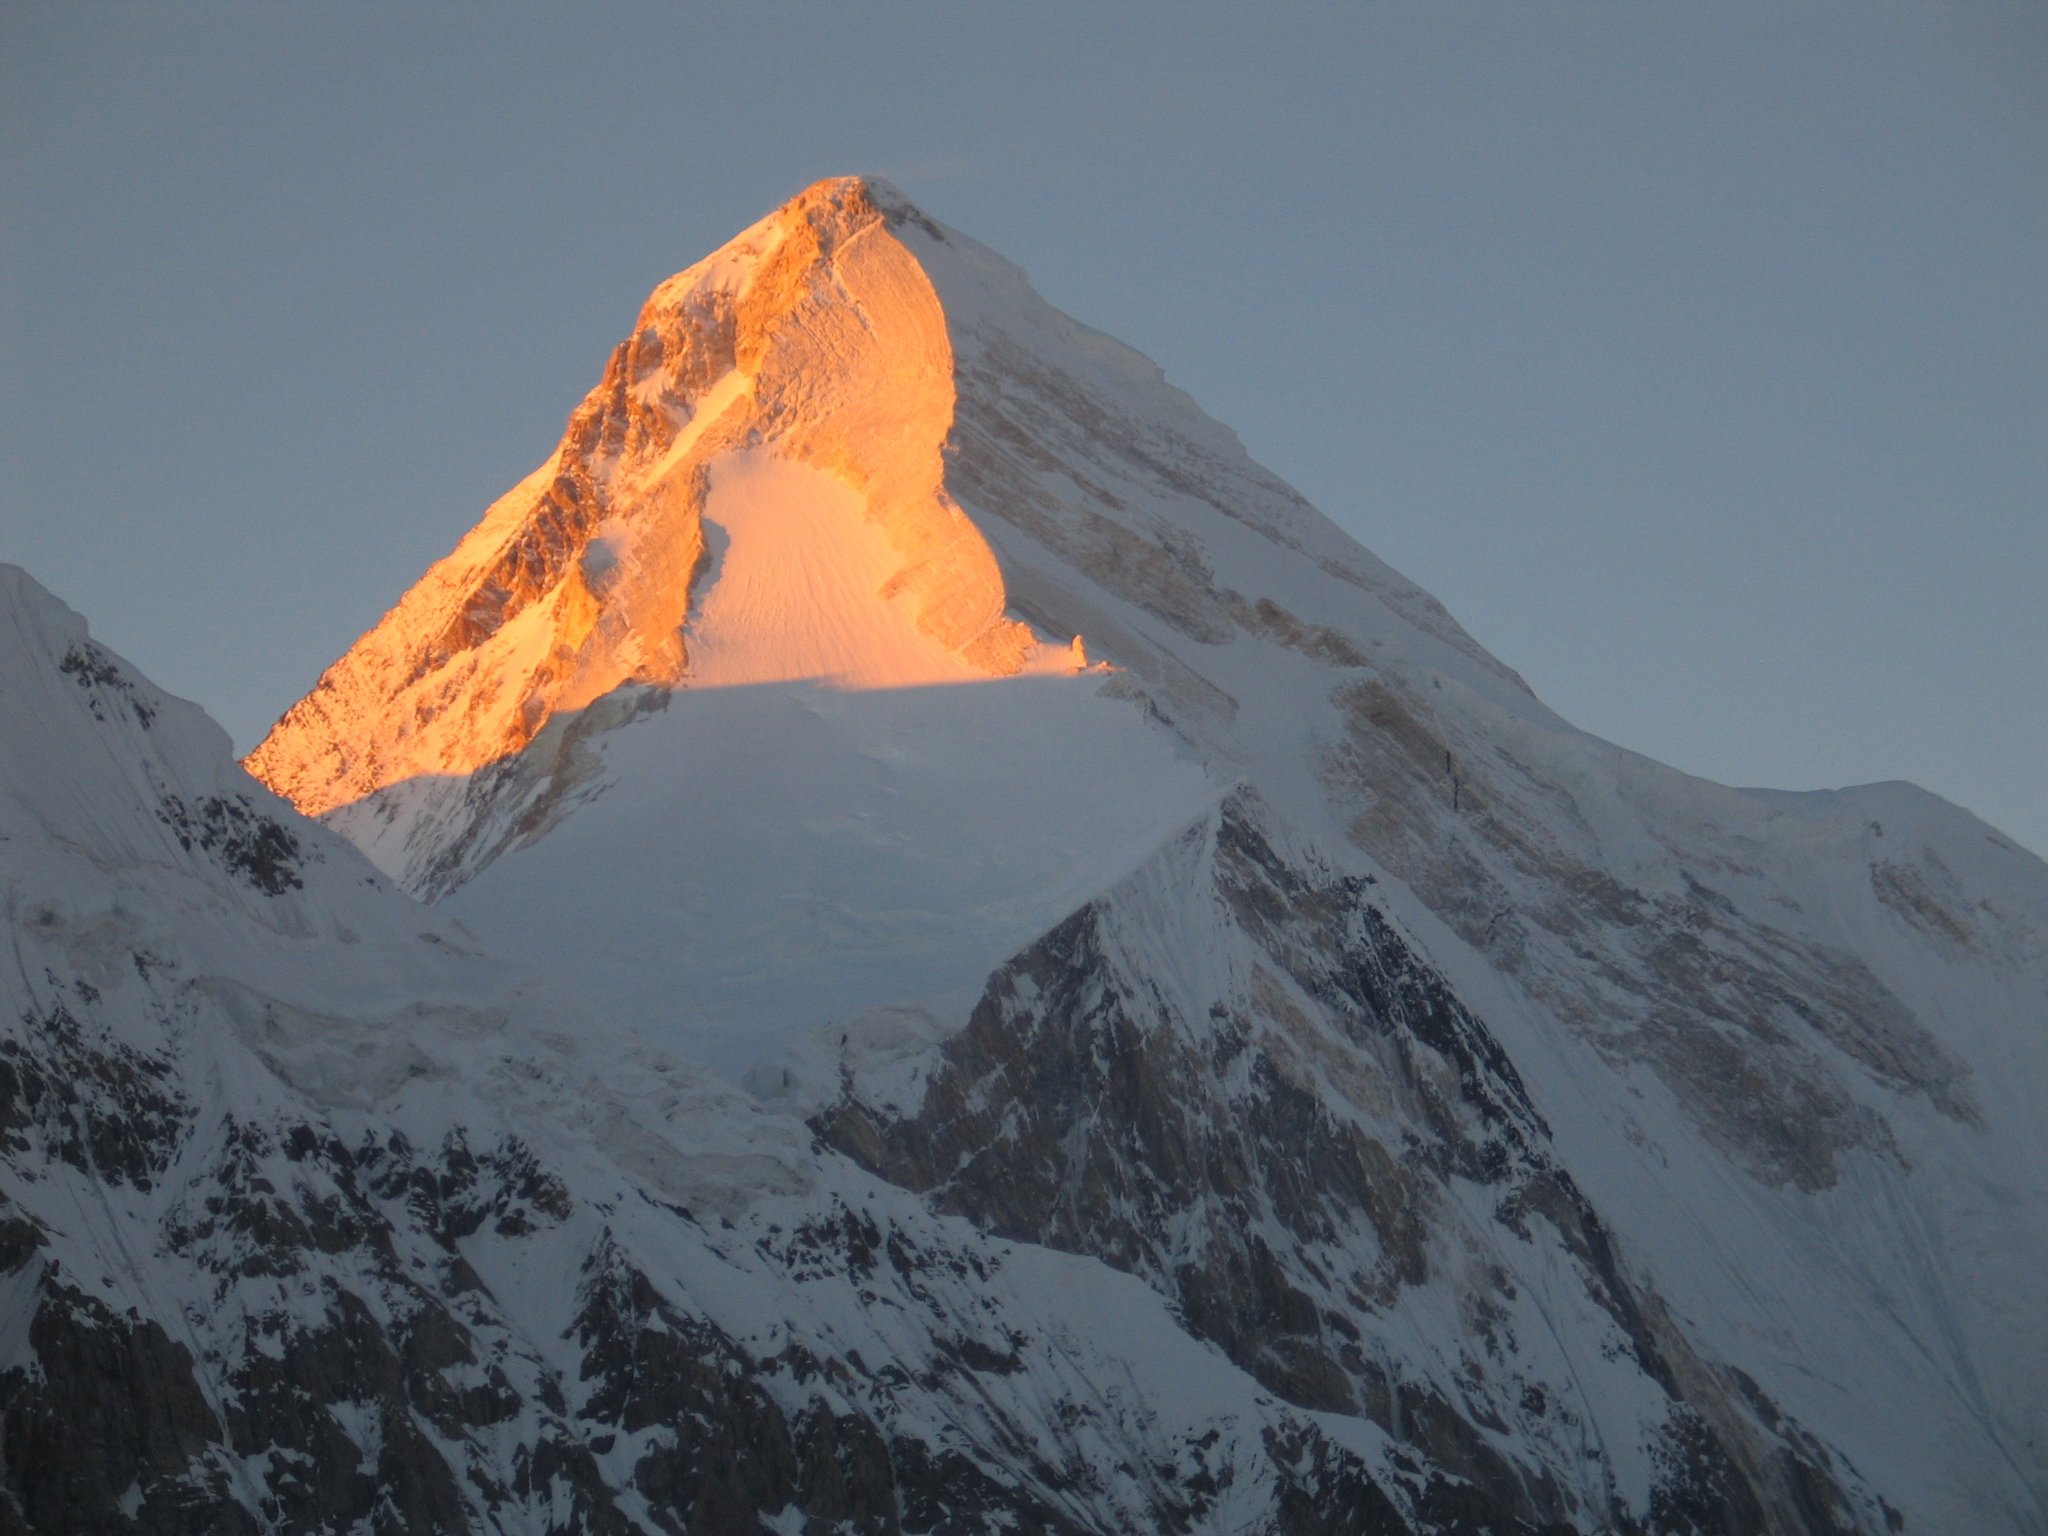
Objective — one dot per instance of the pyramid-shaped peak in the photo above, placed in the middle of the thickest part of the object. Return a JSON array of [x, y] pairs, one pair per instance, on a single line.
[[835, 205], [856, 197], [753, 491], [802, 235], [833, 209], [797, 466]]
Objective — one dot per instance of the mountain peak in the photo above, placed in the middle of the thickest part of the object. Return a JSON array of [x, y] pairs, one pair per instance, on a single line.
[[753, 492], [858, 197], [856, 194], [853, 447], [810, 227]]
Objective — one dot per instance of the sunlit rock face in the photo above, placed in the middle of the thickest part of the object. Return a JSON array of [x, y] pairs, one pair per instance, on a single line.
[[1602, 1149]]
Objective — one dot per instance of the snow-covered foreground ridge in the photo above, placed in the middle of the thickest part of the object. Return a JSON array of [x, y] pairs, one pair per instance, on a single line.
[[1435, 1119], [313, 1217]]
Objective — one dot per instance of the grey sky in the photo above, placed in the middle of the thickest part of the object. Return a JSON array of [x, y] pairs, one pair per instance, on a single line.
[[1696, 357]]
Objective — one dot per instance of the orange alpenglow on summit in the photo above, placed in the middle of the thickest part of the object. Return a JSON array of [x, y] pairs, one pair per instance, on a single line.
[[753, 492]]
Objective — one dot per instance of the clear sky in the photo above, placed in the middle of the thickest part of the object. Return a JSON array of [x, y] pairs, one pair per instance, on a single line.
[[1696, 357]]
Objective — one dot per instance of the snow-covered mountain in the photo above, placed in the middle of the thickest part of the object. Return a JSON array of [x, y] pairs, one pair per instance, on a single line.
[[1362, 1101], [314, 1217]]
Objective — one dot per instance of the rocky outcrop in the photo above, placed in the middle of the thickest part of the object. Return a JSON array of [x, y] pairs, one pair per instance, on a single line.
[[1325, 1160], [329, 1327]]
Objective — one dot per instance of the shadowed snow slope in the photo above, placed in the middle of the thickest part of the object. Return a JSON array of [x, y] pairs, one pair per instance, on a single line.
[[824, 852], [1750, 1087]]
